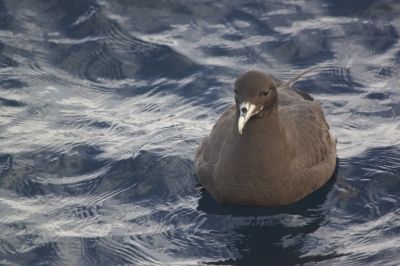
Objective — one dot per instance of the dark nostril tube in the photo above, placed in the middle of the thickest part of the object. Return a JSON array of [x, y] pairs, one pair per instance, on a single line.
[[244, 110]]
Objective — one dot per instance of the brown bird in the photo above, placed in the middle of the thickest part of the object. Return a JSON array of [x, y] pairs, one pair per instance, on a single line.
[[270, 149]]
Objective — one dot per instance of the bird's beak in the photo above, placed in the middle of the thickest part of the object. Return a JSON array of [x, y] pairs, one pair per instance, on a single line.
[[247, 110]]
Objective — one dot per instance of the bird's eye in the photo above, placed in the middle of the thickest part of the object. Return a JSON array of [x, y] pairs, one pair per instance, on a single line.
[[264, 93]]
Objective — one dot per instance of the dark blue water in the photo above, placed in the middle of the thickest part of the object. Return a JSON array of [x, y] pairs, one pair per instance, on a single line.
[[103, 104]]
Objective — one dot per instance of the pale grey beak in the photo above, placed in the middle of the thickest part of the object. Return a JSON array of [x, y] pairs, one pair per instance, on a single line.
[[247, 110]]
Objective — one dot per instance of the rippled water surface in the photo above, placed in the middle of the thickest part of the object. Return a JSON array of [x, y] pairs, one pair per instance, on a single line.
[[103, 104]]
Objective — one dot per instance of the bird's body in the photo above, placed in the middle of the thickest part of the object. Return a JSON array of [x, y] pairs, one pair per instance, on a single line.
[[283, 154]]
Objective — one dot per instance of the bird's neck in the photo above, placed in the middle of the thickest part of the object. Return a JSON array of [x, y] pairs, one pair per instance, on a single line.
[[264, 126], [264, 138]]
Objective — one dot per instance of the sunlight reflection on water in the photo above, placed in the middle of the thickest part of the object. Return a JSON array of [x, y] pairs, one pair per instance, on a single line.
[[103, 104]]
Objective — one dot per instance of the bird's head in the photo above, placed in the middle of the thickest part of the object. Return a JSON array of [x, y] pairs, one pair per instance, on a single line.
[[255, 92]]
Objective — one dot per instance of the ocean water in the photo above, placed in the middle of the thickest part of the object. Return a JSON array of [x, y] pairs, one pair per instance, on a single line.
[[103, 104]]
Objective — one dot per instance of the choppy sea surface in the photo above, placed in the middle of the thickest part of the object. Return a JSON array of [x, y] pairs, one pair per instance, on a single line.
[[103, 104]]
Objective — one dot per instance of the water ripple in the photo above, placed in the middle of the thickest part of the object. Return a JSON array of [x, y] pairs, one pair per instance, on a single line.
[[103, 103]]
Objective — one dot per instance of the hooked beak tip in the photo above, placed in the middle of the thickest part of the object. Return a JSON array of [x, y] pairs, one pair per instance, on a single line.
[[241, 123]]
